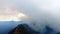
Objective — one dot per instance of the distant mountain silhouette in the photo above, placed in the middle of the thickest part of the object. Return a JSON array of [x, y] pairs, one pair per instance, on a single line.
[[48, 30], [23, 29]]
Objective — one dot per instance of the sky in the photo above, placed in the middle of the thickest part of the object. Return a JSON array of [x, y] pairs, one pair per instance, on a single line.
[[43, 12], [8, 12]]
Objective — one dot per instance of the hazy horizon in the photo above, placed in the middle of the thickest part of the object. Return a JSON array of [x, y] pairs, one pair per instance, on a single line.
[[38, 12]]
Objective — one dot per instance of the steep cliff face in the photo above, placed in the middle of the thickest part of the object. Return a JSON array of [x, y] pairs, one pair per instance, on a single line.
[[23, 29]]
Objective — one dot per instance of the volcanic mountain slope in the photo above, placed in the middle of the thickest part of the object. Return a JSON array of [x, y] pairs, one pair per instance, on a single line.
[[23, 29]]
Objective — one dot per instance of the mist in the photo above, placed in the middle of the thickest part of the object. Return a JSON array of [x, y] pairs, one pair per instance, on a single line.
[[40, 12]]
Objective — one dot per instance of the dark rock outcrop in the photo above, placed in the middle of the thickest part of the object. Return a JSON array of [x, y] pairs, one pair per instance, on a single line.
[[23, 29]]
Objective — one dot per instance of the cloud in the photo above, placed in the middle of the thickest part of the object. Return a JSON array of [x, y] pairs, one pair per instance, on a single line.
[[10, 13], [40, 12], [43, 12]]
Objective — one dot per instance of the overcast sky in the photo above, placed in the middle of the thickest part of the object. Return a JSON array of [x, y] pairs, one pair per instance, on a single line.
[[40, 11]]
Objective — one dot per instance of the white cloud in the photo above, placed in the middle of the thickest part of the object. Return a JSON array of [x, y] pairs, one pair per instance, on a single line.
[[8, 14], [48, 10]]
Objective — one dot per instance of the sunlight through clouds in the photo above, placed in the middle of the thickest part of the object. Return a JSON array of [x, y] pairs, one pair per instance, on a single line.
[[11, 15]]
